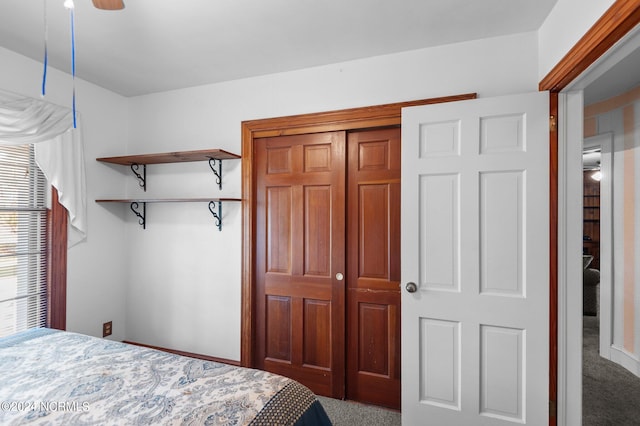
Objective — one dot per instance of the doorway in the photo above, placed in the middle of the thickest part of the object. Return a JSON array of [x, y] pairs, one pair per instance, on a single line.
[[609, 181], [572, 123], [597, 248]]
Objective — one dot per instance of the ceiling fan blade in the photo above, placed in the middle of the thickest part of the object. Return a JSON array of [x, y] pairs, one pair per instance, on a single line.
[[109, 4]]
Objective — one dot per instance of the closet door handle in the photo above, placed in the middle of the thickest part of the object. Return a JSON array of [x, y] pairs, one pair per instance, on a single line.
[[339, 276], [411, 287]]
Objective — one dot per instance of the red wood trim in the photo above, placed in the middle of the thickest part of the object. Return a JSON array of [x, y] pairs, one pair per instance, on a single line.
[[617, 21], [247, 337], [170, 157], [57, 264], [347, 119], [166, 200], [553, 258], [187, 354]]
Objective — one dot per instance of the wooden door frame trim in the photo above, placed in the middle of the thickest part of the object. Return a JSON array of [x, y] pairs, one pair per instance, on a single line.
[[553, 258], [346, 119], [613, 25], [57, 264]]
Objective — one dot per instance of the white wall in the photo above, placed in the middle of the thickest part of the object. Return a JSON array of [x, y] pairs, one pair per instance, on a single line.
[[184, 278], [564, 27], [96, 268]]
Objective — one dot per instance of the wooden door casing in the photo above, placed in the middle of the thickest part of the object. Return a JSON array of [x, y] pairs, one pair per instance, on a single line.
[[373, 267], [300, 240]]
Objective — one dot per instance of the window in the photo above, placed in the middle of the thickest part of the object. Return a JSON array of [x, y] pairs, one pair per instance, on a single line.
[[23, 241]]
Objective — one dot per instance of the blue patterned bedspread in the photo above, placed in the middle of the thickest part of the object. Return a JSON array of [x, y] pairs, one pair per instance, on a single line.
[[61, 378]]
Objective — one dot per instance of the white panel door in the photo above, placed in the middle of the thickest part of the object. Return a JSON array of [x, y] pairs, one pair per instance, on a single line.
[[475, 262]]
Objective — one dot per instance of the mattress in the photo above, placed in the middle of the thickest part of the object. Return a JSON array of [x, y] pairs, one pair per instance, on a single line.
[[55, 377]]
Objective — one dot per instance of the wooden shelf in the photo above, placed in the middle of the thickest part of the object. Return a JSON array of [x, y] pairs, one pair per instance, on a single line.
[[213, 156], [171, 157], [139, 205], [165, 200], [591, 219], [215, 206]]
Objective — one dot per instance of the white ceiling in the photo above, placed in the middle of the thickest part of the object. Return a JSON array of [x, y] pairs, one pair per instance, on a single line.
[[623, 76], [158, 45]]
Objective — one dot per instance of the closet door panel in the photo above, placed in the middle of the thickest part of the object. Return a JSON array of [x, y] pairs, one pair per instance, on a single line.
[[373, 262], [300, 237]]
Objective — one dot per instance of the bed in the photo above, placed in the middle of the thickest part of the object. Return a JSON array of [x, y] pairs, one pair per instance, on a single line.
[[55, 377]]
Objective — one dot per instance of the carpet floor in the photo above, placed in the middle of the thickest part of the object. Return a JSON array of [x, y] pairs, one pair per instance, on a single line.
[[610, 393], [349, 413]]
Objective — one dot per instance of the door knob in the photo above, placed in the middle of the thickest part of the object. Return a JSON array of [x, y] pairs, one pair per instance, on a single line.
[[339, 276], [411, 287]]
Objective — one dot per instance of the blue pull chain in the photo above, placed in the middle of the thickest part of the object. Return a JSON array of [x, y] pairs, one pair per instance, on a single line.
[[46, 53], [73, 65]]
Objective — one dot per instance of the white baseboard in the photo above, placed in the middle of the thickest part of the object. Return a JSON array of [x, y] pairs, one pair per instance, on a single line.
[[625, 359]]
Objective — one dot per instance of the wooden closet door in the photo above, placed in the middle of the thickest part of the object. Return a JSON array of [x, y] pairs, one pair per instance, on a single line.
[[300, 241], [373, 294]]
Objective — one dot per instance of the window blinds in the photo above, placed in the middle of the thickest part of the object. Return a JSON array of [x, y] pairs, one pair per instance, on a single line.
[[23, 219]]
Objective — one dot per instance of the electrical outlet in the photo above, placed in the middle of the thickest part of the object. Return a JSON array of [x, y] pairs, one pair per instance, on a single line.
[[107, 328]]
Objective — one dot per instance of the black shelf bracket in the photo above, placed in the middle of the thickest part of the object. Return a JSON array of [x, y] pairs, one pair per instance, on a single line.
[[217, 215], [141, 216], [141, 178], [218, 172]]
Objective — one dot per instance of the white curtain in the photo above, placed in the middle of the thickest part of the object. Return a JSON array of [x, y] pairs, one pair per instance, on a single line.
[[58, 150]]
